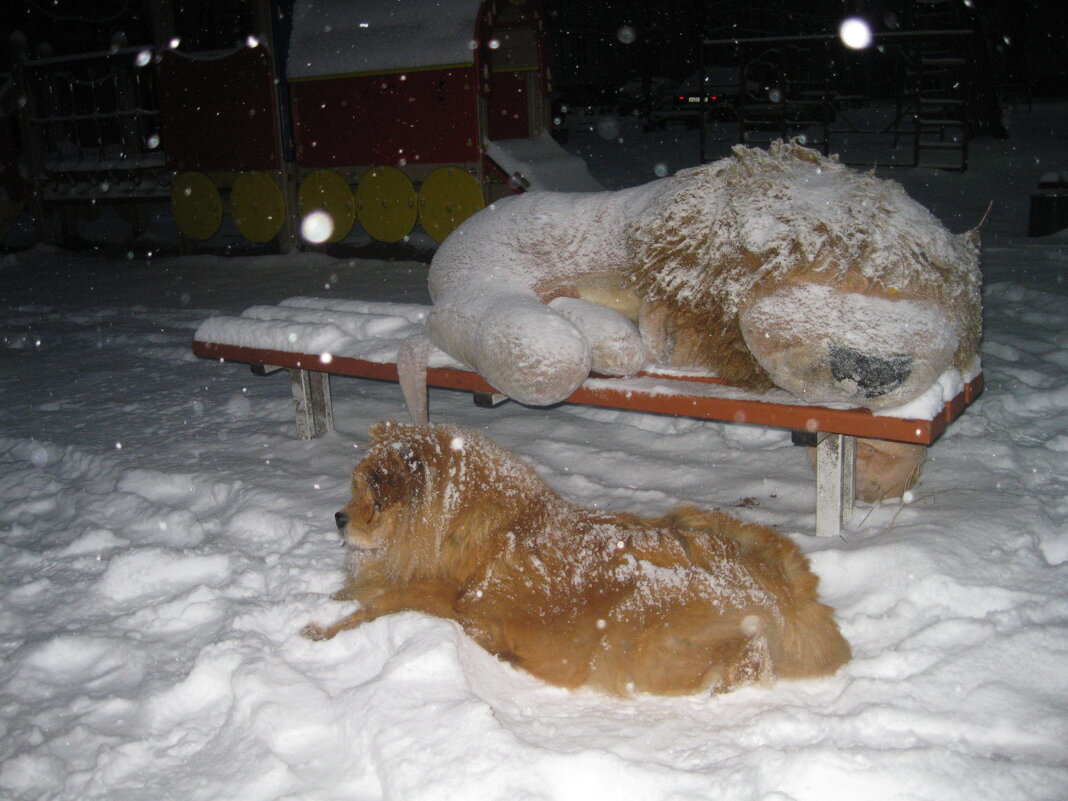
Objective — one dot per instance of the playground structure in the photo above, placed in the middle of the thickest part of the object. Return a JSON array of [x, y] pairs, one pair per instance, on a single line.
[[403, 116], [929, 67], [787, 85], [377, 114]]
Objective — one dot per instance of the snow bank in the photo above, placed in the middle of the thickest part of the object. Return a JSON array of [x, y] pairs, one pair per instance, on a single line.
[[349, 328], [539, 163]]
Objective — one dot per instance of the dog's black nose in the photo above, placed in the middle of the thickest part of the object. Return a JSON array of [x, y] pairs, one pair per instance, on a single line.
[[873, 375], [342, 520]]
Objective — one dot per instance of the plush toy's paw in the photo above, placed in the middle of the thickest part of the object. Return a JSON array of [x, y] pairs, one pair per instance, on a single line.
[[315, 633], [616, 346], [530, 353]]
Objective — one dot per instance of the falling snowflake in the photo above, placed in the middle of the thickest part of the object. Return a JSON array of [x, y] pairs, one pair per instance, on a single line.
[[317, 226], [855, 33]]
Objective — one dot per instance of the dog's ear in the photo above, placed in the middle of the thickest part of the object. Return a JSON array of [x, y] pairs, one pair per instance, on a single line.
[[382, 430], [396, 476]]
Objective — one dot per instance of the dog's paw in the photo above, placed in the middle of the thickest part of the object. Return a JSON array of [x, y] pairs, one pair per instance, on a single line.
[[315, 633]]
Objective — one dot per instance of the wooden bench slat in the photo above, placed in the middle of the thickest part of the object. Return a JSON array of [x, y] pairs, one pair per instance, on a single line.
[[677, 395]]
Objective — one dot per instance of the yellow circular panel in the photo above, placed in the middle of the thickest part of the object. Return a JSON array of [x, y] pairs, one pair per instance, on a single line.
[[326, 191], [447, 197], [196, 205], [385, 204], [258, 206]]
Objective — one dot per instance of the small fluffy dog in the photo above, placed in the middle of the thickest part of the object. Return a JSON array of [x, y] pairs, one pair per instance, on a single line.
[[450, 524]]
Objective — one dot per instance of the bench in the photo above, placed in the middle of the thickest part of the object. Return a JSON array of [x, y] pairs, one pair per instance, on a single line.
[[315, 338]]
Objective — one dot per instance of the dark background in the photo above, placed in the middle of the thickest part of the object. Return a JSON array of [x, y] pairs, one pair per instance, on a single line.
[[1026, 38]]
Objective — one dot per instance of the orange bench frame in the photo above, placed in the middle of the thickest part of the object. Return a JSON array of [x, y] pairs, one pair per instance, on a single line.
[[836, 429]]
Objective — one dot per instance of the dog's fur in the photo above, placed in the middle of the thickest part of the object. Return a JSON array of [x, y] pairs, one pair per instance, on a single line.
[[450, 524]]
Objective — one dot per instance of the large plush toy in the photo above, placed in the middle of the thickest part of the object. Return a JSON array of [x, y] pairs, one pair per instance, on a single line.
[[778, 268]]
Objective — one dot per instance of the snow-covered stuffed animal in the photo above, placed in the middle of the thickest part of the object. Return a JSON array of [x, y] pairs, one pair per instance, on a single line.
[[769, 268]]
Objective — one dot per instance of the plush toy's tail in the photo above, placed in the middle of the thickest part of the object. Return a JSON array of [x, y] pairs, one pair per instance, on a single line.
[[411, 370]]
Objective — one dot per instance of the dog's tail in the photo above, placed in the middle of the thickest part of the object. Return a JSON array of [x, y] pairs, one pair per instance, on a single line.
[[803, 639], [809, 643]]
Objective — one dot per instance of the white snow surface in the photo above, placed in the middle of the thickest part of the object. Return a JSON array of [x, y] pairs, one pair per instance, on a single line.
[[542, 164], [163, 538], [328, 327]]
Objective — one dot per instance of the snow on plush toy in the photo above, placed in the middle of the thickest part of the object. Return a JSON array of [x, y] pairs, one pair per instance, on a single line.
[[769, 268]]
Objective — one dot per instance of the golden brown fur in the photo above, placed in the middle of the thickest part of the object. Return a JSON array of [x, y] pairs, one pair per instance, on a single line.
[[690, 252], [457, 527]]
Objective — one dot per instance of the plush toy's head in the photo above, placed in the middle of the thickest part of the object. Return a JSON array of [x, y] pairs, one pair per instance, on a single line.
[[785, 268]]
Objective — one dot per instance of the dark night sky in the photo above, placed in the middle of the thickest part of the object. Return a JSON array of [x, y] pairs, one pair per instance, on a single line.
[[585, 34]]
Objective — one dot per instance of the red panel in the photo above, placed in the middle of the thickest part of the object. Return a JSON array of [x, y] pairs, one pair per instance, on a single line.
[[219, 113], [425, 116], [507, 106]]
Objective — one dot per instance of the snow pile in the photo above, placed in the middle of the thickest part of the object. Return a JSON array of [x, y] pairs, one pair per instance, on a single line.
[[539, 163], [349, 328], [163, 538]]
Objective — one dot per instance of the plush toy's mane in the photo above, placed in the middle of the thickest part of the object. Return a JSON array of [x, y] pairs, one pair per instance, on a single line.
[[766, 218]]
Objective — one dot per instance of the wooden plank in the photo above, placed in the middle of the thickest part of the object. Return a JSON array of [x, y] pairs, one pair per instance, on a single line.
[[685, 399], [855, 422], [311, 400]]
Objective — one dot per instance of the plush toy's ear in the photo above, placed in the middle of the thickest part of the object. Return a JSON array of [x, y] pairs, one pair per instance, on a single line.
[[970, 240]]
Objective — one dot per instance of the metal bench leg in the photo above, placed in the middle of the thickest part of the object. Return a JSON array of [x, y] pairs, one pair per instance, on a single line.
[[311, 397], [836, 474], [489, 400]]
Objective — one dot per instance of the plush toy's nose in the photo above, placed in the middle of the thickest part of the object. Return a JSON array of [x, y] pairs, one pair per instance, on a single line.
[[873, 375], [342, 521]]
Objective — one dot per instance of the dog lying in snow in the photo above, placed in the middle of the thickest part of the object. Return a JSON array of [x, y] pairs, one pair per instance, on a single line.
[[449, 524]]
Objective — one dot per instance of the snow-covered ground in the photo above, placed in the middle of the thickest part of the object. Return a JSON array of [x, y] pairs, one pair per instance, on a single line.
[[163, 538]]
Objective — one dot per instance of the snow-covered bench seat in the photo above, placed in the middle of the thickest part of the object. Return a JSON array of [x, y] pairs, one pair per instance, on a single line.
[[314, 338]]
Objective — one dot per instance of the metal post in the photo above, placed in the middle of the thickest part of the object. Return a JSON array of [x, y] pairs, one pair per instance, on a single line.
[[836, 471], [311, 398], [289, 237]]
